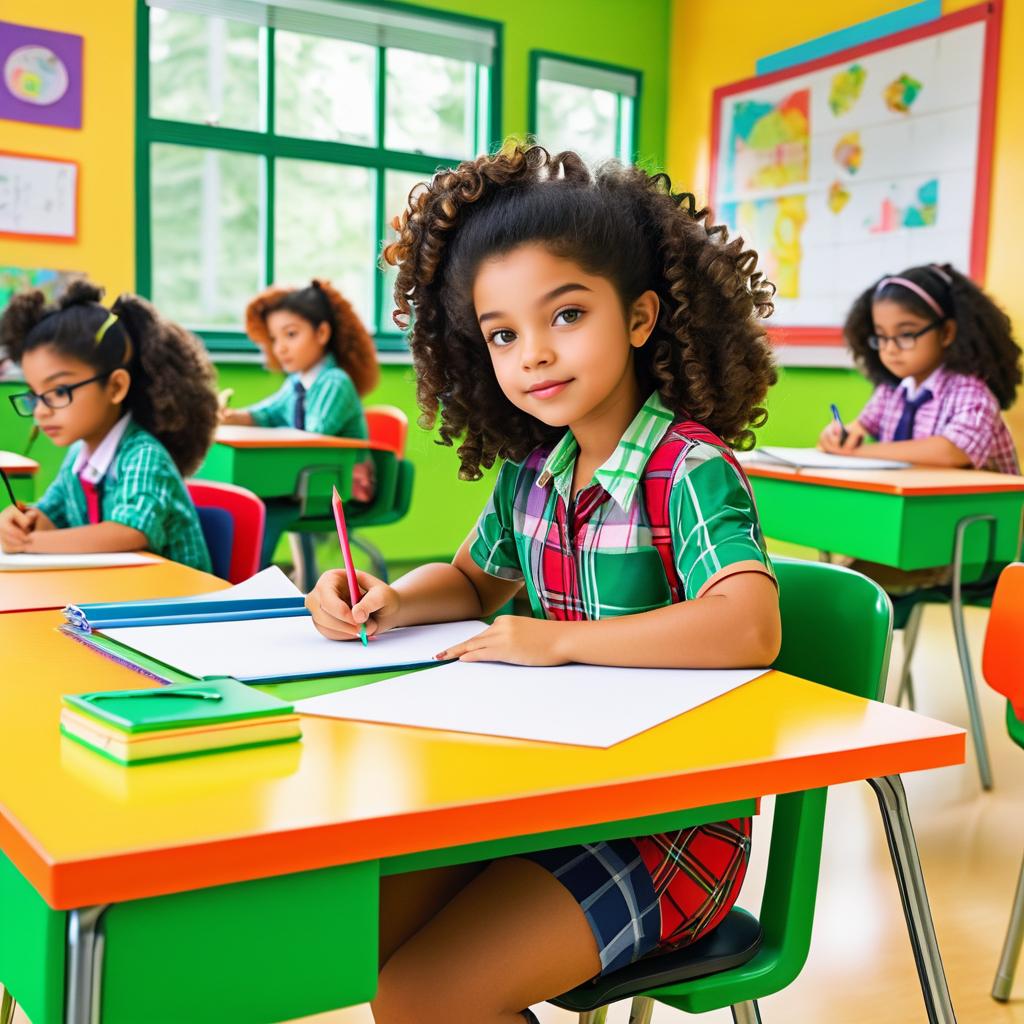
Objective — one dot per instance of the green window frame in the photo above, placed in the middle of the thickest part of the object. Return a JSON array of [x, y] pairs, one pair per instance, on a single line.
[[271, 146], [626, 84]]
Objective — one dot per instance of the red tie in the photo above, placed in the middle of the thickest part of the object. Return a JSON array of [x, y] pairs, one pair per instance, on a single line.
[[92, 499]]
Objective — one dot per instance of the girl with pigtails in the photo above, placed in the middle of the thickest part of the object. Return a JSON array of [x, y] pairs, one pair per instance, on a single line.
[[132, 396], [601, 336]]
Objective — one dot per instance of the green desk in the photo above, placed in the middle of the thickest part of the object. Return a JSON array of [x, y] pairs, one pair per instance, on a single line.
[[903, 518], [21, 471], [282, 463]]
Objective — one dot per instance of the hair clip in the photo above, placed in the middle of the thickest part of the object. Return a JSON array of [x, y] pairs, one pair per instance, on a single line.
[[107, 324]]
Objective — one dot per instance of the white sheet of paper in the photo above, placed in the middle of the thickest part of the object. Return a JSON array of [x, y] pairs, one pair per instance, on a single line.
[[23, 562], [582, 705], [254, 649], [269, 582], [811, 458]]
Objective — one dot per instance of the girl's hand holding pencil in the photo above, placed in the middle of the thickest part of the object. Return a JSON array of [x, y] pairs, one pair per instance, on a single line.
[[17, 524], [333, 615]]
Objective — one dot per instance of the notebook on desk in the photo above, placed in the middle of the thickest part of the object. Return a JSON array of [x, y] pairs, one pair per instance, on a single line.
[[269, 637], [812, 458]]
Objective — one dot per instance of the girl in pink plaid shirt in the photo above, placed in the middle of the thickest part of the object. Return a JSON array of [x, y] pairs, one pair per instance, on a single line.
[[944, 360]]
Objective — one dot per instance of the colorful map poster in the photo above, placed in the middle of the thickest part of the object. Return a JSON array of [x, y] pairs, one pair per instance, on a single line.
[[865, 165]]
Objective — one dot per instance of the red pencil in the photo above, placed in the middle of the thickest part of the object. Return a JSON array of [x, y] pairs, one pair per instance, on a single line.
[[346, 553]]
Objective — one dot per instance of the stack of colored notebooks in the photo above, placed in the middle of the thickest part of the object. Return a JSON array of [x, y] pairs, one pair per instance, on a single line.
[[142, 726]]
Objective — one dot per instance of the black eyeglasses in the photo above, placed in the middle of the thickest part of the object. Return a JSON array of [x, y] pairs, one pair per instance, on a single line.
[[905, 341], [56, 398]]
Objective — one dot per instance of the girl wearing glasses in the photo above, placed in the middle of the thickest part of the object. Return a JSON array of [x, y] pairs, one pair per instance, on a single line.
[[944, 361], [132, 397]]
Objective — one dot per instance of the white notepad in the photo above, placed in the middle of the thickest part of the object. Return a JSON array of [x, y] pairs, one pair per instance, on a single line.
[[811, 458], [104, 560], [582, 705], [285, 648]]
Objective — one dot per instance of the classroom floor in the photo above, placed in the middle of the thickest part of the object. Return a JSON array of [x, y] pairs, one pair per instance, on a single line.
[[860, 967]]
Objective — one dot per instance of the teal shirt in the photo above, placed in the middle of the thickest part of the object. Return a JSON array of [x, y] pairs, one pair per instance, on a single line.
[[142, 489], [332, 406]]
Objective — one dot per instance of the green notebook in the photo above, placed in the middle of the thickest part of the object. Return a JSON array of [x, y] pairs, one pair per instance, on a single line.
[[205, 702]]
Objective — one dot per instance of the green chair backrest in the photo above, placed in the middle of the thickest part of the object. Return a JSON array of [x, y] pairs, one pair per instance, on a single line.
[[837, 631], [836, 626]]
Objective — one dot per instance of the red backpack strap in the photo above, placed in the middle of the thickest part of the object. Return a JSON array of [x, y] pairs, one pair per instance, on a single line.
[[657, 488]]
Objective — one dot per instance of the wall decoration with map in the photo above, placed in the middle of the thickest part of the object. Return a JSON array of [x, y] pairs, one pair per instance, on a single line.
[[860, 163]]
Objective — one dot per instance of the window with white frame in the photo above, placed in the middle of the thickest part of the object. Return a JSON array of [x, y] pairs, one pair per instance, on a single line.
[[277, 139]]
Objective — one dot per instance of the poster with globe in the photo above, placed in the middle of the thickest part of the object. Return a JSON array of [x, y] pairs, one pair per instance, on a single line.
[[859, 164]]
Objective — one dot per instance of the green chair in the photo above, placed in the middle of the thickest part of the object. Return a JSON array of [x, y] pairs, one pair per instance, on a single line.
[[837, 631], [1002, 666]]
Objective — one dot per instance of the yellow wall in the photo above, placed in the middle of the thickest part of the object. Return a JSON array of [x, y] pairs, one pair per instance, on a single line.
[[104, 148], [714, 43]]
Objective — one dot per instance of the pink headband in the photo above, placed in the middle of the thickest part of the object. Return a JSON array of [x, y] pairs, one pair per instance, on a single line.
[[915, 288]]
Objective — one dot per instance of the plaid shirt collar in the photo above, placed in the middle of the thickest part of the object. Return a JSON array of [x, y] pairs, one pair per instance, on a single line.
[[621, 473], [933, 383]]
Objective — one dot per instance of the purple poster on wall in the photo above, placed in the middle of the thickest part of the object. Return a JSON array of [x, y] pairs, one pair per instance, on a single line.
[[40, 76]]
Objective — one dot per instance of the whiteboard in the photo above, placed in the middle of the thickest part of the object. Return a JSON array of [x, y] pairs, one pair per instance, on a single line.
[[38, 197], [857, 165]]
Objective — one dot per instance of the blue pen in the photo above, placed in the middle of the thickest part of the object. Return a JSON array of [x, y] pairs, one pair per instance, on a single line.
[[839, 423]]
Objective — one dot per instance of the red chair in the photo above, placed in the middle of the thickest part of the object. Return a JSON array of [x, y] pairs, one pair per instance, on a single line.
[[1002, 662], [235, 539], [388, 425]]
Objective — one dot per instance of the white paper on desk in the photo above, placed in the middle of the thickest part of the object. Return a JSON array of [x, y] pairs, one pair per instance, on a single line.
[[811, 458], [252, 650], [22, 562], [582, 705], [269, 582]]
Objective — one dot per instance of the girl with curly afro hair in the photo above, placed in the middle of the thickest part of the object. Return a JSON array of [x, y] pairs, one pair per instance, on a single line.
[[944, 361], [600, 335], [132, 395]]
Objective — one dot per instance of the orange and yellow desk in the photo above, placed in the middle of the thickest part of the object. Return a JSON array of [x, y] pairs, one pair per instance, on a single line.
[[243, 887]]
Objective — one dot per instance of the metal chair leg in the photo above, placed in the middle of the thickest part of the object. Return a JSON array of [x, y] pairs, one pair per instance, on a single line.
[[7, 1005], [746, 1013], [597, 1016], [1012, 946], [956, 607], [641, 1010], [910, 631], [303, 547], [892, 802]]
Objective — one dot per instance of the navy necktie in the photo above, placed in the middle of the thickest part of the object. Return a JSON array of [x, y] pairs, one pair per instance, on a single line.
[[299, 419], [905, 427]]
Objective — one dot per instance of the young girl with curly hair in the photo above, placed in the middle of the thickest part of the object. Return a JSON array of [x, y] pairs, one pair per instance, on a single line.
[[600, 336], [133, 396], [944, 361], [314, 335]]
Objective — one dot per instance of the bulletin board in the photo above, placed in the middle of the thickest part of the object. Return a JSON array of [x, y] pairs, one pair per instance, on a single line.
[[38, 197], [861, 163]]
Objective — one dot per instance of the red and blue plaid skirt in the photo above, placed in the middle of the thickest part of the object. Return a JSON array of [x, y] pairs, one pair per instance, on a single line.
[[653, 893]]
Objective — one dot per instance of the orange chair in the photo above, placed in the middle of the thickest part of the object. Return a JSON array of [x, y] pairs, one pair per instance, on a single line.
[[1003, 667]]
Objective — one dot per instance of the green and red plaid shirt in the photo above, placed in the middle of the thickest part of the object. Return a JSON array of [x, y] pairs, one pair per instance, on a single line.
[[668, 515]]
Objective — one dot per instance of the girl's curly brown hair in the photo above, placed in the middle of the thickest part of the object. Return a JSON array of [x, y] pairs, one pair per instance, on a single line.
[[708, 355], [983, 347], [319, 302], [172, 392]]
